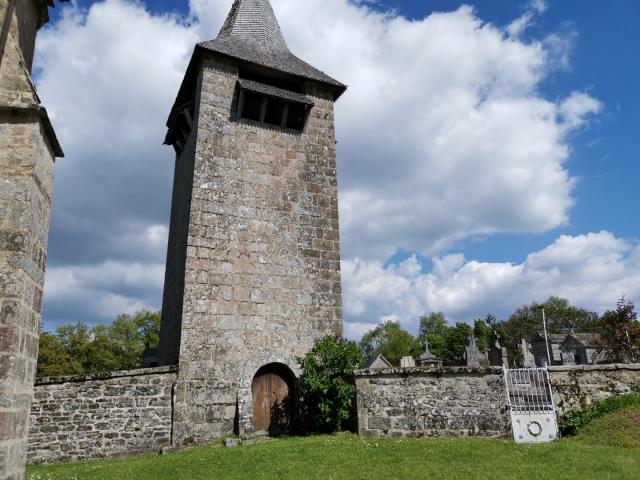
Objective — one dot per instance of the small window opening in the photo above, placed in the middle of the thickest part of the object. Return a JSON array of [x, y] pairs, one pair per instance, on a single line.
[[271, 110], [182, 130], [275, 109], [296, 116], [252, 106]]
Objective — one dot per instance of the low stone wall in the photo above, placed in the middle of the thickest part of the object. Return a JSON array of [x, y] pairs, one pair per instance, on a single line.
[[122, 413], [578, 386], [437, 402]]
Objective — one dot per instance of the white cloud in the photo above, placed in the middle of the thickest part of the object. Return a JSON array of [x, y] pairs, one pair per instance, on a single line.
[[591, 270], [577, 107], [518, 26], [443, 133], [99, 292]]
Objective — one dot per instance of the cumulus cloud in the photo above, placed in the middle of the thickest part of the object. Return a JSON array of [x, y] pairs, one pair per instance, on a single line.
[[591, 270], [443, 134], [99, 292], [109, 75]]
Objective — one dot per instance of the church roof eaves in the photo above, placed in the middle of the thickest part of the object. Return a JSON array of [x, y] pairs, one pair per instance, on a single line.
[[251, 33], [284, 62], [274, 91]]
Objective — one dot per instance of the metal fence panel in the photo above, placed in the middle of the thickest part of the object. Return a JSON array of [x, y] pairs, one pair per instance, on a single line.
[[530, 401]]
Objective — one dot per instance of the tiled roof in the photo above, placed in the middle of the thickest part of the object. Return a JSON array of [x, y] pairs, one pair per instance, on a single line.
[[253, 22], [374, 358], [252, 33], [589, 340]]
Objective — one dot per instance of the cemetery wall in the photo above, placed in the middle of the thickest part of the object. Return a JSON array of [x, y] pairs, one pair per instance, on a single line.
[[465, 401], [122, 413], [435, 402], [578, 386], [129, 413]]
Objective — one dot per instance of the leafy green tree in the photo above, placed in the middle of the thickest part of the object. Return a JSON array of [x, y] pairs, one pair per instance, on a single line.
[[483, 331], [76, 349], [76, 338], [327, 384], [390, 340], [433, 324], [455, 343], [620, 342], [149, 326], [53, 358], [445, 342], [434, 328]]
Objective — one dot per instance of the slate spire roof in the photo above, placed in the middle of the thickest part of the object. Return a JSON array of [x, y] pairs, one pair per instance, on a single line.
[[253, 22], [252, 33]]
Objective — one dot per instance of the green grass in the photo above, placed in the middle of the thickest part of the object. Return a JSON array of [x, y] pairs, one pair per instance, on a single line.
[[619, 429], [575, 421], [596, 453]]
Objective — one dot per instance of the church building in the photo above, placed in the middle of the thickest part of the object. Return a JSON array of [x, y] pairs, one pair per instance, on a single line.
[[253, 263]]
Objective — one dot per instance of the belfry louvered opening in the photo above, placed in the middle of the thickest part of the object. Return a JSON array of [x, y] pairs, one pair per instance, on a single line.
[[272, 106], [180, 132]]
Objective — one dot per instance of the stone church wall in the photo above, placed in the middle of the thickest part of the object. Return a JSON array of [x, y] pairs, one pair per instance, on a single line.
[[122, 413], [437, 402], [578, 386]]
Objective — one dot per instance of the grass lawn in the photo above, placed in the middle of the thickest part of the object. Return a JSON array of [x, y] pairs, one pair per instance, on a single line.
[[609, 448]]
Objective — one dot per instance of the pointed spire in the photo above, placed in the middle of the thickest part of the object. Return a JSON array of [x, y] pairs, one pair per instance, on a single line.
[[255, 23], [251, 33]]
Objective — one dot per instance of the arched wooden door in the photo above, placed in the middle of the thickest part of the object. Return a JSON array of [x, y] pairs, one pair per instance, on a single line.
[[273, 399]]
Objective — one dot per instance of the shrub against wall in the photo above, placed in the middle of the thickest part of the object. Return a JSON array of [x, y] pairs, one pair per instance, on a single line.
[[327, 384]]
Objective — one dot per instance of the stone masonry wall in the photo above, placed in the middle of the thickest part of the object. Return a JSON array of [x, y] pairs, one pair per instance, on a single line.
[[579, 386], [26, 183], [434, 402], [262, 279], [124, 413], [470, 402], [177, 254]]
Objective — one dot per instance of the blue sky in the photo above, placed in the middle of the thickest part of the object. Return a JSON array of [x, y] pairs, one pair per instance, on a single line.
[[519, 185], [604, 157]]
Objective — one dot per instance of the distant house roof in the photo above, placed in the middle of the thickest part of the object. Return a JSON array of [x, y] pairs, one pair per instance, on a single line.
[[252, 33], [377, 361], [589, 340]]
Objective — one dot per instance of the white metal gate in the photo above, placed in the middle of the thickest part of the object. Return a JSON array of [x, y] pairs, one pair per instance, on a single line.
[[530, 400]]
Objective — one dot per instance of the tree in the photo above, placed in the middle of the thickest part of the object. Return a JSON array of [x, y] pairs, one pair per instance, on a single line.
[[456, 340], [75, 348], [433, 324], [483, 331], [390, 340], [327, 383], [620, 341], [53, 358]]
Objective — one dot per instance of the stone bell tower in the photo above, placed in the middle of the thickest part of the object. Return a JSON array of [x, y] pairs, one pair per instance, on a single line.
[[253, 263], [28, 149]]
